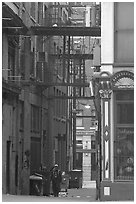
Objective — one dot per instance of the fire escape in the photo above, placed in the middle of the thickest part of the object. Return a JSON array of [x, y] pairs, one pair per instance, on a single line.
[[74, 78], [73, 61]]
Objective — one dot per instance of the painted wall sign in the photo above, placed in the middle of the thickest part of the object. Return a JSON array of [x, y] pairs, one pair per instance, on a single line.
[[123, 80]]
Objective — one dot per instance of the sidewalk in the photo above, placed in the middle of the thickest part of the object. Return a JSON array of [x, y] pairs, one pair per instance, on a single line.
[[83, 193]]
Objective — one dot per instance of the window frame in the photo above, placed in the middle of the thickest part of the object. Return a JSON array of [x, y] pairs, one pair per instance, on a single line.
[[126, 32], [11, 59], [35, 118], [116, 127]]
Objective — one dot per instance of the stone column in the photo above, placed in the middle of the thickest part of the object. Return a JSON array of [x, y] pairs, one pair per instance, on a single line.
[[105, 134], [105, 96]]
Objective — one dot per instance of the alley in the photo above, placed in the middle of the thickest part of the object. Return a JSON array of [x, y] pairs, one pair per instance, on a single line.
[[74, 195], [67, 101]]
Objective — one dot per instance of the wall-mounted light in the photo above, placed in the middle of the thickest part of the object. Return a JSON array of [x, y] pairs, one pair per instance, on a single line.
[[87, 106]]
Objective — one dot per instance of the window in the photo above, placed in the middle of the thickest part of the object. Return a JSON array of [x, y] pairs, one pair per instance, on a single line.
[[40, 71], [40, 12], [93, 144], [35, 118], [124, 32], [79, 120], [32, 11], [93, 161], [79, 160], [79, 144], [21, 115], [64, 16], [125, 113], [124, 136], [11, 60], [32, 60]]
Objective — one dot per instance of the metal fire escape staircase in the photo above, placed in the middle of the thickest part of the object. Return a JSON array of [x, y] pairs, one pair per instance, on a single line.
[[70, 83], [67, 32]]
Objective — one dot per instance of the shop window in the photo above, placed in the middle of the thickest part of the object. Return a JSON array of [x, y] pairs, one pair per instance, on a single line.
[[125, 113], [124, 136]]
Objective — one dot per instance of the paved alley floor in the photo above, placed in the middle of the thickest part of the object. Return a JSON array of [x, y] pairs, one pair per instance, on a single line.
[[74, 195]]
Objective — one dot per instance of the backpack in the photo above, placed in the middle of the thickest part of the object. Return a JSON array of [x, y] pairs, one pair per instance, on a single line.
[[56, 175]]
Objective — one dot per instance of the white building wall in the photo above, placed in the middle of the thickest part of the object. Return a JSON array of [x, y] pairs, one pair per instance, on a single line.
[[88, 16], [107, 60], [107, 36]]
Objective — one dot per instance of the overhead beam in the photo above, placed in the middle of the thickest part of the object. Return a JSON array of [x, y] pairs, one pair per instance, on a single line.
[[86, 150], [85, 116], [72, 97], [67, 6], [62, 84], [65, 31], [72, 56], [46, 85]]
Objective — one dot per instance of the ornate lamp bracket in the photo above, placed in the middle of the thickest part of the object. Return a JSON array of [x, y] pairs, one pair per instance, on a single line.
[[105, 93], [105, 85]]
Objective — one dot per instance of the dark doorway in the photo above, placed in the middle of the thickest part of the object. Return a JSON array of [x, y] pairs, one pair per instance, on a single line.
[[35, 154], [93, 167]]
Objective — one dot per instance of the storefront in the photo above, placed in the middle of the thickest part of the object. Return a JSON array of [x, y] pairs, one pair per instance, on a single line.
[[117, 135], [114, 98]]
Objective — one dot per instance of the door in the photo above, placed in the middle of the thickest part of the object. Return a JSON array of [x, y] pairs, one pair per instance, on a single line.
[[35, 154]]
